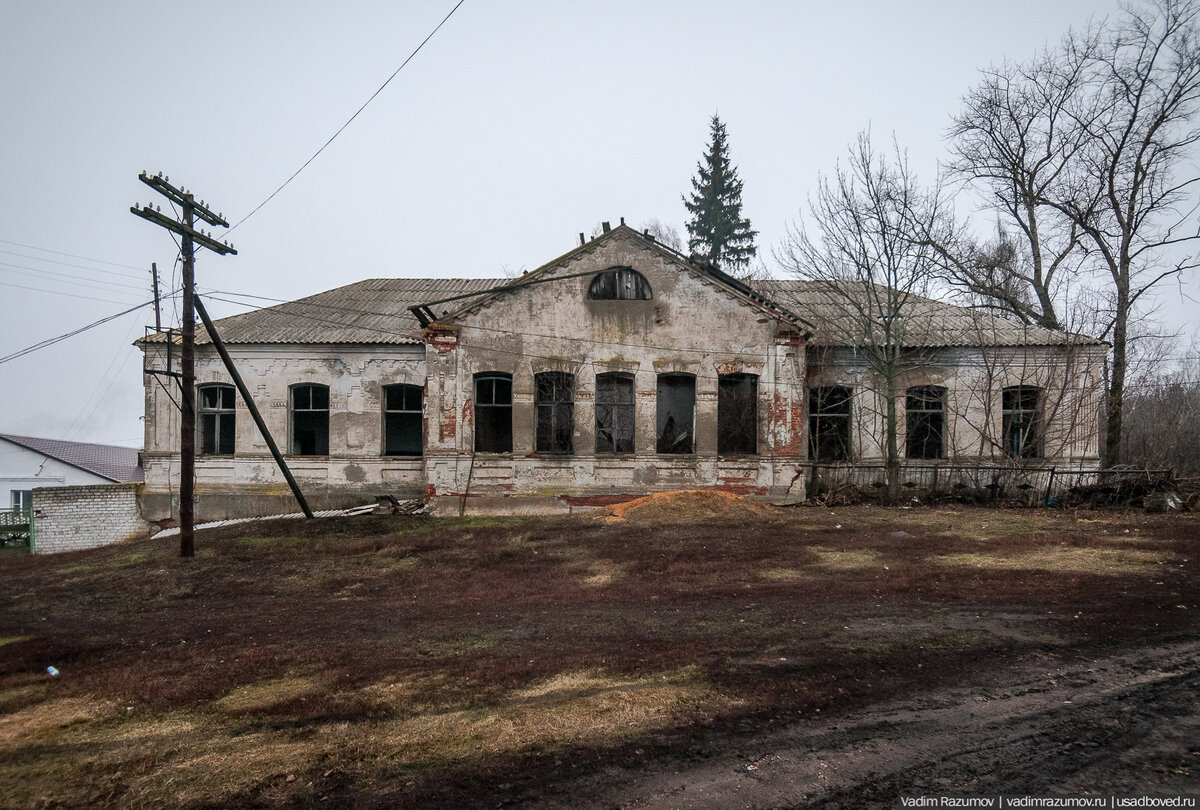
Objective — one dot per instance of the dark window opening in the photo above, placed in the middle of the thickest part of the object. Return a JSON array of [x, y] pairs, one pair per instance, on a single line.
[[310, 420], [737, 414], [676, 413], [614, 413], [22, 499], [619, 284], [402, 423], [925, 421], [1021, 428], [554, 399], [217, 420], [829, 423], [493, 413]]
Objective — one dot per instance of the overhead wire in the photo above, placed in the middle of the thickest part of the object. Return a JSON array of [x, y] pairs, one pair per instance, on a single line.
[[295, 174], [71, 264], [70, 255], [51, 341]]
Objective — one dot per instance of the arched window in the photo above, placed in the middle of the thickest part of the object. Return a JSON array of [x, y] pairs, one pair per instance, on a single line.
[[614, 413], [1021, 405], [310, 420], [925, 421], [402, 434], [493, 412], [619, 284], [216, 427], [554, 398], [737, 414]]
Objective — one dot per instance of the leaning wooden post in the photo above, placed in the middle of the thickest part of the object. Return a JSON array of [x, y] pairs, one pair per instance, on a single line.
[[245, 392]]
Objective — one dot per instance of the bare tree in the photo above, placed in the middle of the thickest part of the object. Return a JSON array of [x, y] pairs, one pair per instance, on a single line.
[[875, 273], [1088, 151], [1015, 139], [664, 234]]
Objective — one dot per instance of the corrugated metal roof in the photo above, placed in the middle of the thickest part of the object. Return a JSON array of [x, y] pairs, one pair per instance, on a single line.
[[926, 323], [118, 464], [376, 311], [371, 311]]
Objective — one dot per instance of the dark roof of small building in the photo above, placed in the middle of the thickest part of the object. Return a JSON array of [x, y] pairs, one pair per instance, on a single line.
[[119, 464]]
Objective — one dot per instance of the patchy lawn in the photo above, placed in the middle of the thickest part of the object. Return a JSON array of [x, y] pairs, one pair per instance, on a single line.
[[417, 661]]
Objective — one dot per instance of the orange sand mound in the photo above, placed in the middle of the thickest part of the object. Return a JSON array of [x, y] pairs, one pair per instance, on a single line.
[[687, 506]]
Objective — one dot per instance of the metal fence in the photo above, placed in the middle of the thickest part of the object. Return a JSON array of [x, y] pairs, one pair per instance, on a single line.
[[1001, 484], [16, 529]]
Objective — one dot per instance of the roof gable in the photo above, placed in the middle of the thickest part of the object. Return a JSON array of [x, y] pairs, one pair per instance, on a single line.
[[546, 273]]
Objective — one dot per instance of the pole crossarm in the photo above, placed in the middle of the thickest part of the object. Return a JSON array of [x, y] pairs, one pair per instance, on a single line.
[[159, 218], [182, 197]]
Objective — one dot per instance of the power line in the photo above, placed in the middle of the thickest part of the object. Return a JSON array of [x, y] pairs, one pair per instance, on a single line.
[[60, 292], [51, 275], [71, 264], [350, 120], [51, 341], [70, 255]]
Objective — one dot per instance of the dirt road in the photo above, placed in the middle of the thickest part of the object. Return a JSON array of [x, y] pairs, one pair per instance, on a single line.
[[1125, 723]]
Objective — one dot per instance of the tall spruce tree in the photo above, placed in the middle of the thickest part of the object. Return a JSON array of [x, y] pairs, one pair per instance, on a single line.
[[717, 231]]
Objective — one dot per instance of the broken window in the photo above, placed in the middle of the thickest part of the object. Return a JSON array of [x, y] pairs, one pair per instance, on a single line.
[[217, 420], [493, 413], [619, 284], [737, 414], [310, 420], [676, 413], [614, 413], [829, 423], [1020, 405], [402, 431], [554, 399], [925, 421]]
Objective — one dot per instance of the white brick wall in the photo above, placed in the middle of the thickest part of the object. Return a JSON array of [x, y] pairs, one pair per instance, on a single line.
[[73, 518]]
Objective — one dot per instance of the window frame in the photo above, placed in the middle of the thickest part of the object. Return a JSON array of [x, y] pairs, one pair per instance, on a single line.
[[405, 413], [219, 415], [619, 284], [675, 448], [616, 406], [915, 417], [17, 497], [740, 439], [293, 411], [821, 415], [554, 413], [485, 409], [1030, 420]]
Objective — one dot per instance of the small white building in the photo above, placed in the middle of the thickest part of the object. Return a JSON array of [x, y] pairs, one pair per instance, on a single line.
[[27, 463]]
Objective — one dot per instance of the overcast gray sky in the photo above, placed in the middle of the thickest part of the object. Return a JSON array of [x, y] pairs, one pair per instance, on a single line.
[[519, 125]]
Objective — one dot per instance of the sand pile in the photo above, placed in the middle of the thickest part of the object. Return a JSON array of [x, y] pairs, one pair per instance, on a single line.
[[688, 506]]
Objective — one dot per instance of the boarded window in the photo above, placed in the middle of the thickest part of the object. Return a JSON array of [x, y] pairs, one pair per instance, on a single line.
[[310, 420], [737, 414], [676, 413], [493, 413], [829, 423], [925, 422], [614, 413], [619, 284], [554, 399], [1022, 432], [216, 425], [402, 431]]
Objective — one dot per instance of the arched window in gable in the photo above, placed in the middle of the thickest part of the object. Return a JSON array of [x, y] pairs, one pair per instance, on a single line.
[[620, 284]]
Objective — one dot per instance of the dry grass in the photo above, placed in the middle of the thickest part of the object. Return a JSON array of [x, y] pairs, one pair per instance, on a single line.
[[393, 662]]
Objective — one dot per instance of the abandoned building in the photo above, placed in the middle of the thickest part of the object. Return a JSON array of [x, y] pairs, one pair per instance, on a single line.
[[617, 369]]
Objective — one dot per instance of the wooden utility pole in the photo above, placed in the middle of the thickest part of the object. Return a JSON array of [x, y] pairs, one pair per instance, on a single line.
[[157, 307], [189, 210]]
